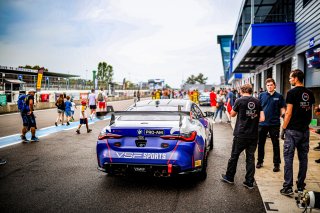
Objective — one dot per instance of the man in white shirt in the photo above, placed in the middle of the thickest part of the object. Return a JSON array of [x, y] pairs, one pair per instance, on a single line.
[[92, 103]]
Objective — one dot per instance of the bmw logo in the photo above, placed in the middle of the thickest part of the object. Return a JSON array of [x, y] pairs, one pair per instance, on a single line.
[[139, 131]]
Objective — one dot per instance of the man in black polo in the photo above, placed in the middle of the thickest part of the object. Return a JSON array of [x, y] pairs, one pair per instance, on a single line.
[[273, 106], [296, 128], [249, 114]]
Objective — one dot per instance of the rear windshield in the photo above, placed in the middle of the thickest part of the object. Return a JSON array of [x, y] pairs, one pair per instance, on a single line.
[[151, 117]]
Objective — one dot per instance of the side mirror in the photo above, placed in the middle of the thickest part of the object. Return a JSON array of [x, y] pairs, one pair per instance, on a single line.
[[110, 109], [101, 114], [209, 114]]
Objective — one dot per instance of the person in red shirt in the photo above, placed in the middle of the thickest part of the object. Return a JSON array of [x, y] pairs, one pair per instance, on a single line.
[[213, 100]]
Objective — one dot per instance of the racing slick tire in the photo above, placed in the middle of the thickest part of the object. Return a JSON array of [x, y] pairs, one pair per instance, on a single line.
[[211, 141], [202, 175]]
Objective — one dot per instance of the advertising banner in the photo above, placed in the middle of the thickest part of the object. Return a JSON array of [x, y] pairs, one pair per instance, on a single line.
[[3, 99], [44, 97], [83, 96], [40, 74]]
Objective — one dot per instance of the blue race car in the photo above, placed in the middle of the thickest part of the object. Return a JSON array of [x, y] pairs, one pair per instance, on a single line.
[[159, 137]]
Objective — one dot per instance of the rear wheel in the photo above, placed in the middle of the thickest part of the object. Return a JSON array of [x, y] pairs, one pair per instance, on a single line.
[[211, 141], [202, 175]]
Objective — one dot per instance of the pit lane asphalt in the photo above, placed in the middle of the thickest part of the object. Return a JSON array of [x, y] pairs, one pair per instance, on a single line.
[[59, 174]]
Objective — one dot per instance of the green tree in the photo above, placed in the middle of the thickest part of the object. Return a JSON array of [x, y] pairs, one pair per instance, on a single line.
[[36, 67], [197, 79], [105, 73], [201, 79], [191, 80]]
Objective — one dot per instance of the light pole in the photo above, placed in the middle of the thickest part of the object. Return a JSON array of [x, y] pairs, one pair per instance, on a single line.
[[86, 79]]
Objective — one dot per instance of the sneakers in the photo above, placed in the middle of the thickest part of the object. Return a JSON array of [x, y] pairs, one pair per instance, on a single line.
[[317, 161], [34, 139], [248, 185], [259, 165], [220, 121], [24, 139], [224, 178], [68, 123], [317, 148], [2, 162], [55, 123], [300, 188], [276, 168], [286, 191], [89, 130], [78, 131]]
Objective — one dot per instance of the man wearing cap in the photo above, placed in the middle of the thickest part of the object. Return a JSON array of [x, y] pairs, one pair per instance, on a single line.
[[28, 119]]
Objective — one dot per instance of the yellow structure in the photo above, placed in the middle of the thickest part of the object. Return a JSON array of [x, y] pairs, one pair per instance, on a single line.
[[157, 94]]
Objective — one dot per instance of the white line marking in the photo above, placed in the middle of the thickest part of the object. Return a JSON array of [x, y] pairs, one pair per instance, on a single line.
[[9, 136], [10, 144]]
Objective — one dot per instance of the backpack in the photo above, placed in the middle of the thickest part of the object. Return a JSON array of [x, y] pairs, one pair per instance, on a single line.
[[22, 103], [100, 97]]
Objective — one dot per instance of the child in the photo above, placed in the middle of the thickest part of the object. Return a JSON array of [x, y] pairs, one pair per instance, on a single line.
[[73, 107], [83, 117], [67, 110]]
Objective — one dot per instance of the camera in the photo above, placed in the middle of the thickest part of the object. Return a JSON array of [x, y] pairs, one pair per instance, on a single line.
[[308, 200]]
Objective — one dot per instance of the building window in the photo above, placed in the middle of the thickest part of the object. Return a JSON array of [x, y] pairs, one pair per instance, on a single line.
[[305, 2]]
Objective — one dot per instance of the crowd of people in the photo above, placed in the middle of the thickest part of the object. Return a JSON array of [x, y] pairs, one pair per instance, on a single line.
[[257, 117]]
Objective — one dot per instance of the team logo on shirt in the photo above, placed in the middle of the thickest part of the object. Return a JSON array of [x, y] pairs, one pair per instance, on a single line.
[[305, 96], [251, 112], [251, 105], [305, 104]]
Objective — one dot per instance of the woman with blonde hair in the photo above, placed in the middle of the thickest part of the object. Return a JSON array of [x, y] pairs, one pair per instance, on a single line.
[[61, 108]]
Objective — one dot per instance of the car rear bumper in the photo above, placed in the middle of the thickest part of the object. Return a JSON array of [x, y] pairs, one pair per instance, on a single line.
[[147, 169]]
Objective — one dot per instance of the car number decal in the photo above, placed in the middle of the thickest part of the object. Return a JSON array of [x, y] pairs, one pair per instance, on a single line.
[[154, 132]]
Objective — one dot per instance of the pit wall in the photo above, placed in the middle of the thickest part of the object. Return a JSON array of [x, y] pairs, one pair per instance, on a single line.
[[49, 101]]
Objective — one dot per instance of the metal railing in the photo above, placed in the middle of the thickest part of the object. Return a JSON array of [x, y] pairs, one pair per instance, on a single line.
[[273, 18]]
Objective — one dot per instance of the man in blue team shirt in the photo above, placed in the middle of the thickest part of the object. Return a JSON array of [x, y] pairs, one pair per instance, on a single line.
[[273, 105]]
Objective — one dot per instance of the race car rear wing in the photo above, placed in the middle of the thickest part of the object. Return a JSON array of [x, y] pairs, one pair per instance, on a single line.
[[143, 113]]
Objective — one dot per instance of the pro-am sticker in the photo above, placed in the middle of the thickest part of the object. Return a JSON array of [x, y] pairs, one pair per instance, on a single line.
[[140, 155]]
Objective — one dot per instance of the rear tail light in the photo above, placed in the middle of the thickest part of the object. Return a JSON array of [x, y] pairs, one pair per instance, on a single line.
[[109, 136], [187, 137]]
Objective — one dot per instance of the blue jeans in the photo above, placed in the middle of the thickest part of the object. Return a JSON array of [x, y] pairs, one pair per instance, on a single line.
[[219, 110], [300, 140]]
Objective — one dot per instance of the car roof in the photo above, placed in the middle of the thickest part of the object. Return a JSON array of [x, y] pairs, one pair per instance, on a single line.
[[185, 104], [205, 93]]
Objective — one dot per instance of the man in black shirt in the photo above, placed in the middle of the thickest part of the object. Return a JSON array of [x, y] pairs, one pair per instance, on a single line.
[[296, 128], [245, 134]]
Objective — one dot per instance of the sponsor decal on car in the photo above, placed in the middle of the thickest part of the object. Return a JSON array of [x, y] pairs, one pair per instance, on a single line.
[[140, 155], [197, 163], [154, 132]]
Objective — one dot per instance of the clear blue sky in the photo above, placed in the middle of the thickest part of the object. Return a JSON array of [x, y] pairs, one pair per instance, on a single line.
[[142, 39]]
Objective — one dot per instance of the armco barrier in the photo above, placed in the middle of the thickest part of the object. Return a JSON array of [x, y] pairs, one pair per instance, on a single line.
[[11, 107]]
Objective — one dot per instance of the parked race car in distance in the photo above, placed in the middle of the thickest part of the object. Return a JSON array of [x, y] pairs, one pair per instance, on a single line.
[[204, 99], [158, 137]]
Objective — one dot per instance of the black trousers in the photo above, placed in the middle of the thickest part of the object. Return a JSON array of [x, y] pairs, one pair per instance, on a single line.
[[238, 146], [274, 134]]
